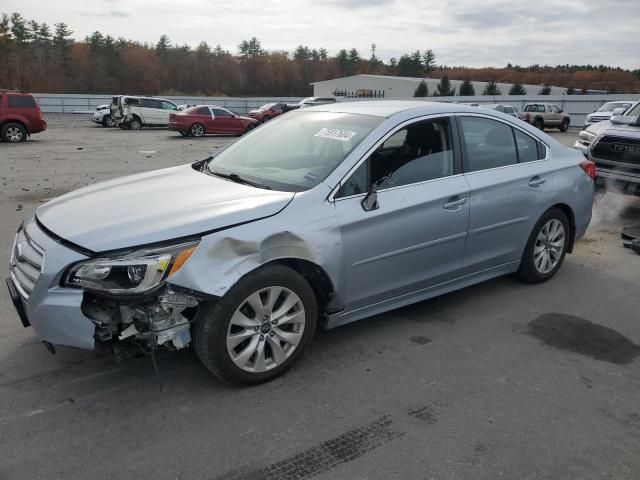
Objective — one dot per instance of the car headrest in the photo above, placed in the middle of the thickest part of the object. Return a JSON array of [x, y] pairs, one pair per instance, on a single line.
[[498, 137]]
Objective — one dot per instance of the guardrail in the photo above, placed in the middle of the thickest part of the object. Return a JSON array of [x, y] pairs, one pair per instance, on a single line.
[[80, 103]]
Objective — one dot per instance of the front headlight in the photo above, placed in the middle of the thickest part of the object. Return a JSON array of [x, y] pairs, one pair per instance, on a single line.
[[134, 273], [586, 137]]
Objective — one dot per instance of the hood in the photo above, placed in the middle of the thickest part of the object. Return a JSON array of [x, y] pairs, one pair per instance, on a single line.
[[253, 112], [243, 117], [155, 206], [613, 128]]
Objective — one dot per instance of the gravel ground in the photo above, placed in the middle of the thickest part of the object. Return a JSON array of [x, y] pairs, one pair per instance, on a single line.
[[500, 380]]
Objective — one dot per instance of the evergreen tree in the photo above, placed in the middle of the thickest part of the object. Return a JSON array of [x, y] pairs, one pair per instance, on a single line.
[[571, 91], [546, 90], [517, 89], [466, 89], [422, 90], [491, 89], [428, 61], [444, 88]]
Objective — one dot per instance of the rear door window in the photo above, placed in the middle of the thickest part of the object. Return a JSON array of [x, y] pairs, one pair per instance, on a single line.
[[21, 101], [529, 149], [204, 111], [488, 144]]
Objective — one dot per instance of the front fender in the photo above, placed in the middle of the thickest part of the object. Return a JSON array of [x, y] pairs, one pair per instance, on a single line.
[[224, 257]]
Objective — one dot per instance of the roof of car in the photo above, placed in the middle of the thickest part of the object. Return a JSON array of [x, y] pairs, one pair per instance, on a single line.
[[388, 108]]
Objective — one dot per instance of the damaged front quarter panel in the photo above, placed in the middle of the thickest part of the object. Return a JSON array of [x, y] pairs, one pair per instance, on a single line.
[[222, 258]]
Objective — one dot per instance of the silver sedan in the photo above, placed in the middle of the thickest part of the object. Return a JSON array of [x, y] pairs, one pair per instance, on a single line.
[[323, 216]]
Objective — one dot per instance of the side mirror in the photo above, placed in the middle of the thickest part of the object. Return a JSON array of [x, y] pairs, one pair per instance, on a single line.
[[370, 200], [618, 111]]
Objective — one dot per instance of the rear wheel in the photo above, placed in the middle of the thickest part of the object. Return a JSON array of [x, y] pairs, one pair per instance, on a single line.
[[564, 126], [546, 248], [196, 130], [538, 123], [135, 124], [250, 127], [259, 328], [13, 133], [266, 118]]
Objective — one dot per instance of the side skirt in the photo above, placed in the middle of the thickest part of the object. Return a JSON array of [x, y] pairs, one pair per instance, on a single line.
[[342, 318]]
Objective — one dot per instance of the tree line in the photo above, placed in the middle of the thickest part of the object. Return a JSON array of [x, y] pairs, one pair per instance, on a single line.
[[39, 57]]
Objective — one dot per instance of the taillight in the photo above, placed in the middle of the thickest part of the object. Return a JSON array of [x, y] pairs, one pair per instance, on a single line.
[[526, 116], [589, 168]]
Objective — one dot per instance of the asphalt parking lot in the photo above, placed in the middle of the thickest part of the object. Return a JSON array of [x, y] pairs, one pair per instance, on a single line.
[[500, 380]]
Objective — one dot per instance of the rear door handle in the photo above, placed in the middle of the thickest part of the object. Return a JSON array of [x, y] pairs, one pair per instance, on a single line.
[[536, 181], [454, 202]]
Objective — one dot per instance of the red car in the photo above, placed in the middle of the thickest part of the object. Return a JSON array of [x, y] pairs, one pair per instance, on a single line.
[[20, 116], [202, 119], [268, 111]]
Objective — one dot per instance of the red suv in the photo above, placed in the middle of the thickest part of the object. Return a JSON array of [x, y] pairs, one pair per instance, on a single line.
[[20, 116]]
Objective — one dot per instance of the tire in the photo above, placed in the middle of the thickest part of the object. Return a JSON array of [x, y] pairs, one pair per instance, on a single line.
[[538, 123], [215, 326], [250, 127], [135, 124], [564, 126], [13, 133], [197, 130], [266, 118], [107, 121], [554, 244]]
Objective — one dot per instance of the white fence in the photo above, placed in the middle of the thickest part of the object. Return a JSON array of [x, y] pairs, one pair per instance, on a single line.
[[80, 103], [578, 106]]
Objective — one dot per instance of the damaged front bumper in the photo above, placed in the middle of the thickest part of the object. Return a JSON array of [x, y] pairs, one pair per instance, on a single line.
[[77, 318]]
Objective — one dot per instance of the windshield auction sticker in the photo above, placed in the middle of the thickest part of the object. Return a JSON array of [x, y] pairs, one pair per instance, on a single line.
[[336, 134]]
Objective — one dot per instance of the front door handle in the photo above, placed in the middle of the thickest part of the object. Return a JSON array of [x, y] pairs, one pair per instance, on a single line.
[[454, 202], [536, 181]]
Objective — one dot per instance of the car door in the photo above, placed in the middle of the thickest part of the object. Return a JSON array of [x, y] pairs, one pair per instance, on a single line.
[[509, 188], [167, 109], [223, 121], [414, 236], [150, 111], [553, 115]]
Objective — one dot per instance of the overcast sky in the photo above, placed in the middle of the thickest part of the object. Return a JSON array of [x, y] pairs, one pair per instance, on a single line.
[[461, 32]]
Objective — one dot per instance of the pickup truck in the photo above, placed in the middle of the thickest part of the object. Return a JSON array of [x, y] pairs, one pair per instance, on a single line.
[[614, 146], [542, 115]]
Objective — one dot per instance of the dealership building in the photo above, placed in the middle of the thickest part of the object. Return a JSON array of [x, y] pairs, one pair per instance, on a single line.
[[402, 87]]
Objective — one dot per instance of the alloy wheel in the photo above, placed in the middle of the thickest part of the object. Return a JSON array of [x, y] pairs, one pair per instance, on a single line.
[[549, 246], [265, 329], [14, 134], [197, 130]]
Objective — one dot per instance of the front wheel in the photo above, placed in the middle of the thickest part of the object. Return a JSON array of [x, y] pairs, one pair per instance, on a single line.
[[546, 248], [259, 328], [564, 126], [107, 121]]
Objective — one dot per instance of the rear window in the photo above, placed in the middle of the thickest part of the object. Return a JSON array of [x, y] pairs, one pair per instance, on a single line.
[[21, 101], [534, 108]]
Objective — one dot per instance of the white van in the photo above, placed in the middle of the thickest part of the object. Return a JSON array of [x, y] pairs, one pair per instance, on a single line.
[[136, 112]]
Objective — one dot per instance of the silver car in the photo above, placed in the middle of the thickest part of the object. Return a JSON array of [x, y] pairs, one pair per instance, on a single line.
[[327, 215]]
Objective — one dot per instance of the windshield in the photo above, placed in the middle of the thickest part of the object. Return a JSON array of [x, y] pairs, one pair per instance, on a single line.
[[635, 111], [297, 151], [610, 107]]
